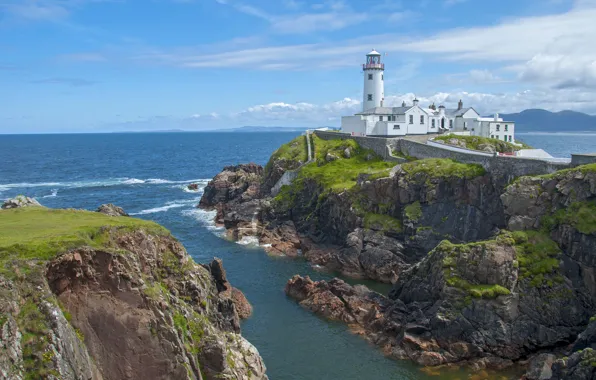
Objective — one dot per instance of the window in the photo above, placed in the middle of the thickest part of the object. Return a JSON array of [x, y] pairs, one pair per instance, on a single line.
[[433, 122], [380, 118], [396, 126], [411, 119], [382, 76], [510, 139], [506, 127], [465, 125], [421, 119], [450, 123], [370, 76], [498, 127], [369, 97], [492, 136]]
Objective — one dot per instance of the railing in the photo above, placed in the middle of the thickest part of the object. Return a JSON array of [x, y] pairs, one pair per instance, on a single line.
[[380, 66]]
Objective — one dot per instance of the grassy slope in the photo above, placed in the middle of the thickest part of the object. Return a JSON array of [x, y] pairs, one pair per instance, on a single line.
[[341, 174], [442, 168], [473, 142], [40, 233], [295, 150]]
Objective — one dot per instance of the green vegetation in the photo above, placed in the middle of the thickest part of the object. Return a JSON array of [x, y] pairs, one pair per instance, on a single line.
[[35, 342], [559, 174], [580, 215], [478, 143], [295, 150], [414, 211], [442, 168], [450, 253], [400, 154], [156, 290], [193, 328], [341, 174], [538, 258], [37, 233], [383, 223]]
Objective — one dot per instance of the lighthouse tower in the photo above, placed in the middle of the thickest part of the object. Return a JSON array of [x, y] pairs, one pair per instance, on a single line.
[[374, 88]]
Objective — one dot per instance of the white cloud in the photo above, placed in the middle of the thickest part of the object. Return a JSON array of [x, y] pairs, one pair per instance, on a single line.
[[560, 71]]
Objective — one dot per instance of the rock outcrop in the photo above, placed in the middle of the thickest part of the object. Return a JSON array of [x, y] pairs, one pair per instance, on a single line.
[[131, 304], [111, 210], [20, 201]]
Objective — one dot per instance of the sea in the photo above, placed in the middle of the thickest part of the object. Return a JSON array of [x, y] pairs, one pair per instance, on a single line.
[[147, 174]]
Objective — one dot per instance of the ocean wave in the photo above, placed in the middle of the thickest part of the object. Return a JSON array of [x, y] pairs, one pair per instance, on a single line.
[[159, 209], [100, 183], [205, 219], [252, 241], [52, 195]]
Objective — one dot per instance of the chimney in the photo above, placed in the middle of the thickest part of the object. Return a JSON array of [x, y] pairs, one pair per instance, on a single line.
[[433, 107], [460, 105], [496, 117], [415, 102], [403, 104]]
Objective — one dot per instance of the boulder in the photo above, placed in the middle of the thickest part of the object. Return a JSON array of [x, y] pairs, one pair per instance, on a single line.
[[540, 367], [330, 157], [20, 201], [111, 210], [193, 187], [348, 152], [243, 307]]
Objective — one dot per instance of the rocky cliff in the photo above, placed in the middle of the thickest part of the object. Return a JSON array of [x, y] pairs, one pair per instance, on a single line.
[[484, 273], [85, 295]]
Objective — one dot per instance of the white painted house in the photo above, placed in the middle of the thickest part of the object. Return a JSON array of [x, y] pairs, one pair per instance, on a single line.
[[378, 120]]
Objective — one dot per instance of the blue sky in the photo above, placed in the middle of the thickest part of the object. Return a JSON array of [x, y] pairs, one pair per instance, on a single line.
[[110, 65]]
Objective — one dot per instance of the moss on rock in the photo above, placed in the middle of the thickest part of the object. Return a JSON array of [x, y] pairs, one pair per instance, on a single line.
[[442, 168]]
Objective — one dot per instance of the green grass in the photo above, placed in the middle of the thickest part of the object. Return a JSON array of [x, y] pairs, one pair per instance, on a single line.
[[581, 215], [474, 142], [442, 168], [538, 258], [342, 173], [40, 234], [295, 150], [381, 222], [559, 174], [414, 211]]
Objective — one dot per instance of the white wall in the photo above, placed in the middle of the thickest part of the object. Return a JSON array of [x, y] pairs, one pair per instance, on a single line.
[[502, 134], [353, 124], [374, 87], [393, 131], [416, 128]]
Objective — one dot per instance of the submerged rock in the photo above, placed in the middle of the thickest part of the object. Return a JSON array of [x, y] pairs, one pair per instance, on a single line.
[[193, 187], [20, 201], [111, 210]]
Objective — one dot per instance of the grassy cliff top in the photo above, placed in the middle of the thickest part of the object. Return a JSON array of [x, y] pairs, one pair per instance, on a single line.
[[40, 233], [443, 168], [480, 143]]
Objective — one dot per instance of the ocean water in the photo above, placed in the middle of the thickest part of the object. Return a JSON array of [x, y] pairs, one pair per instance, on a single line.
[[147, 174]]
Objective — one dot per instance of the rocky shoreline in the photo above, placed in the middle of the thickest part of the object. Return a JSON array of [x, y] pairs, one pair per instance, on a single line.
[[126, 302], [484, 274]]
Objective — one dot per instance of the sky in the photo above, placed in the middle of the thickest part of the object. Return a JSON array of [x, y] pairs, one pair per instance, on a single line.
[[129, 65]]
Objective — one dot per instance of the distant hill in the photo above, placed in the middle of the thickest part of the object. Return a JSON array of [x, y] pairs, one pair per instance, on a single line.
[[537, 120], [266, 129]]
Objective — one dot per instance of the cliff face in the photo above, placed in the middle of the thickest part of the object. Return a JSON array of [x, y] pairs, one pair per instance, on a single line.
[[123, 301]]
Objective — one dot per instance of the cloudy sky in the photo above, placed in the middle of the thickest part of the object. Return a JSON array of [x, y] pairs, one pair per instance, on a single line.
[[109, 65]]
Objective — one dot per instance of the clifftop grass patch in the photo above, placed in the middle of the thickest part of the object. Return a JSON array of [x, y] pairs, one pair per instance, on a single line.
[[36, 233], [295, 150], [484, 144], [442, 168], [338, 171]]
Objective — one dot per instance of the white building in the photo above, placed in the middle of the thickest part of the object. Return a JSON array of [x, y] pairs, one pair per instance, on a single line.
[[377, 120]]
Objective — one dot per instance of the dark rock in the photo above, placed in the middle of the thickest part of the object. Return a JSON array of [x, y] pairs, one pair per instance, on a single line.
[[111, 210], [540, 367], [193, 187]]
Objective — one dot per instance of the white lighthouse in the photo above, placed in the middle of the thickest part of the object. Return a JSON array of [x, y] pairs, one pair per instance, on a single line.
[[374, 88]]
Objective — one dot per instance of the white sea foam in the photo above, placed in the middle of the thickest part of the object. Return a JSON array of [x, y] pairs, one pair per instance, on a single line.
[[205, 219], [160, 209], [100, 183], [249, 240], [52, 195]]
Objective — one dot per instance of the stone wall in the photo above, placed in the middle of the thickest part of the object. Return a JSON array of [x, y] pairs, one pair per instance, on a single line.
[[503, 168], [379, 145], [583, 159]]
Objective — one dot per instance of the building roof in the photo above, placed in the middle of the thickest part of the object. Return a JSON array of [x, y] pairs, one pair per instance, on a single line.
[[385, 111], [374, 52]]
